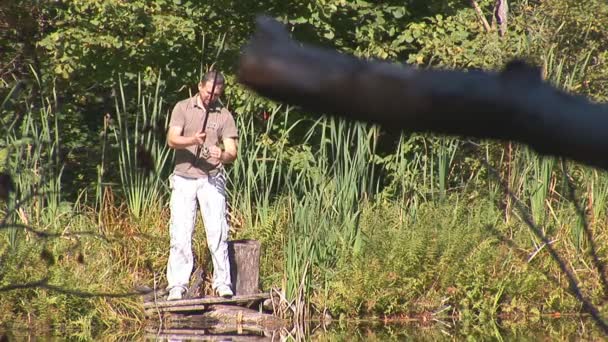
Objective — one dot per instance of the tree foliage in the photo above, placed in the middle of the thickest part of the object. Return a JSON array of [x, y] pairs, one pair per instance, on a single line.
[[79, 49]]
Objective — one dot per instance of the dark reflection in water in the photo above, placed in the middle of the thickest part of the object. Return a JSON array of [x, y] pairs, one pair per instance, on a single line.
[[176, 335], [563, 329]]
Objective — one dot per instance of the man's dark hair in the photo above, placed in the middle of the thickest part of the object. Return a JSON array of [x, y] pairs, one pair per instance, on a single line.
[[210, 75]]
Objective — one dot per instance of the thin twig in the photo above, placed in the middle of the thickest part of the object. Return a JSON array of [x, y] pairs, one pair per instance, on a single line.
[[538, 249]]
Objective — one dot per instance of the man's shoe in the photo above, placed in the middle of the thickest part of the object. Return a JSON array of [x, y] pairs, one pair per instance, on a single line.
[[224, 291], [175, 293]]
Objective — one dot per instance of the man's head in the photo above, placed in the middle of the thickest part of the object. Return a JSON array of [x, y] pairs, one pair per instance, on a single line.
[[206, 90]]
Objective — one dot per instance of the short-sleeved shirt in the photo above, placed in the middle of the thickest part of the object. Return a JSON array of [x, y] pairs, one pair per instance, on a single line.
[[189, 115]]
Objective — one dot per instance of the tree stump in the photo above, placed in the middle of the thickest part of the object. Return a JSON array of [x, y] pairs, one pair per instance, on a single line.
[[244, 258]]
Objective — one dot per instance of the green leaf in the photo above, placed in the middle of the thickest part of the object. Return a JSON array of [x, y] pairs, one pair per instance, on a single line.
[[329, 35], [408, 37], [398, 12], [300, 20], [3, 157]]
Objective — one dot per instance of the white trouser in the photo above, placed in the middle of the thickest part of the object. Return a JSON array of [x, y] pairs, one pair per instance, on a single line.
[[211, 195]]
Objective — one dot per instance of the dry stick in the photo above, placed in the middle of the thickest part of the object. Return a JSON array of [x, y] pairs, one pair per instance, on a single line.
[[573, 283], [160, 317], [480, 15], [601, 269], [46, 235], [515, 104]]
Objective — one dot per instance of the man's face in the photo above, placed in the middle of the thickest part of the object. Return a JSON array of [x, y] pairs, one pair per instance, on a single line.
[[205, 92]]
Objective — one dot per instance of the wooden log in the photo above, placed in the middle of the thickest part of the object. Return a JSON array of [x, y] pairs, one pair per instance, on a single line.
[[149, 295], [150, 312], [236, 315], [195, 288], [244, 266], [220, 319]]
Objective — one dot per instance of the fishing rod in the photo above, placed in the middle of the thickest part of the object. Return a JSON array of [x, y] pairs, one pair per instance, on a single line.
[[202, 149]]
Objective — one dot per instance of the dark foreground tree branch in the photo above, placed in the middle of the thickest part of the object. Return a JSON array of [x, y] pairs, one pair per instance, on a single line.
[[512, 105]]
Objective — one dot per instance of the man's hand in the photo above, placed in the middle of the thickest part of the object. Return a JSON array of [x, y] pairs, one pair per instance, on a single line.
[[177, 141], [215, 152], [199, 138]]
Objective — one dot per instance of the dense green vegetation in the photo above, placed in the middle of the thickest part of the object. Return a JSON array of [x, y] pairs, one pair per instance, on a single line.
[[354, 220]]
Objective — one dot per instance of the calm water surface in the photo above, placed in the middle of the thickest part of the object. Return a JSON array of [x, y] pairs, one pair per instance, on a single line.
[[563, 329]]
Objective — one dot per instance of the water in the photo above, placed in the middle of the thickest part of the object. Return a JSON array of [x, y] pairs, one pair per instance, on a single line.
[[562, 329]]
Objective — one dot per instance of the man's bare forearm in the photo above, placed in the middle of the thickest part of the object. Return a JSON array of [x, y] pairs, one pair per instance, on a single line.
[[180, 142], [227, 157]]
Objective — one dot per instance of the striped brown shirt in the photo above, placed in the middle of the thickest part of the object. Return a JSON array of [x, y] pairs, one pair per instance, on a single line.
[[189, 115]]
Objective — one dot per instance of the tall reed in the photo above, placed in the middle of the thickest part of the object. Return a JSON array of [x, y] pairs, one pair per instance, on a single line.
[[446, 151], [258, 173], [537, 186], [30, 142], [569, 78], [323, 185], [326, 188], [404, 168], [143, 153], [598, 185]]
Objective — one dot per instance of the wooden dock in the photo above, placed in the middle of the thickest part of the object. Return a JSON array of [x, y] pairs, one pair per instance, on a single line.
[[212, 315], [201, 304], [197, 316]]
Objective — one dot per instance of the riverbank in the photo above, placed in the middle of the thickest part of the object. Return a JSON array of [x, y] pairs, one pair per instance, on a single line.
[[458, 261]]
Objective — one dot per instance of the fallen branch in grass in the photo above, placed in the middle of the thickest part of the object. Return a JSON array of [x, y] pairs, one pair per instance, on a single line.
[[573, 283], [44, 284]]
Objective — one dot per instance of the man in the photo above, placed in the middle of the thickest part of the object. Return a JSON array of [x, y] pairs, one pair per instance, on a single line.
[[198, 124]]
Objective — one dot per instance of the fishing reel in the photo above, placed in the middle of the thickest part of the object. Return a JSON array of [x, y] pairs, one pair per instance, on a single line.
[[205, 152]]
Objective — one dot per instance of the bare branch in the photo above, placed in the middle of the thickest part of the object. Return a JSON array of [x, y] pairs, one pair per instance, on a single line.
[[501, 13], [43, 284], [480, 15], [512, 105]]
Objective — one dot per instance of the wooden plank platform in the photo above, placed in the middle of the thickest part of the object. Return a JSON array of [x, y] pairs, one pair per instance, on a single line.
[[215, 319], [213, 315], [199, 304]]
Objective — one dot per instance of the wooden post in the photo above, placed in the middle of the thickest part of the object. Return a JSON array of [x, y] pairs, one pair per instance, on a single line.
[[244, 258]]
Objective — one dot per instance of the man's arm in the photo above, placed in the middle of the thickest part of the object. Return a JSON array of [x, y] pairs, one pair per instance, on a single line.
[[176, 141], [230, 151]]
